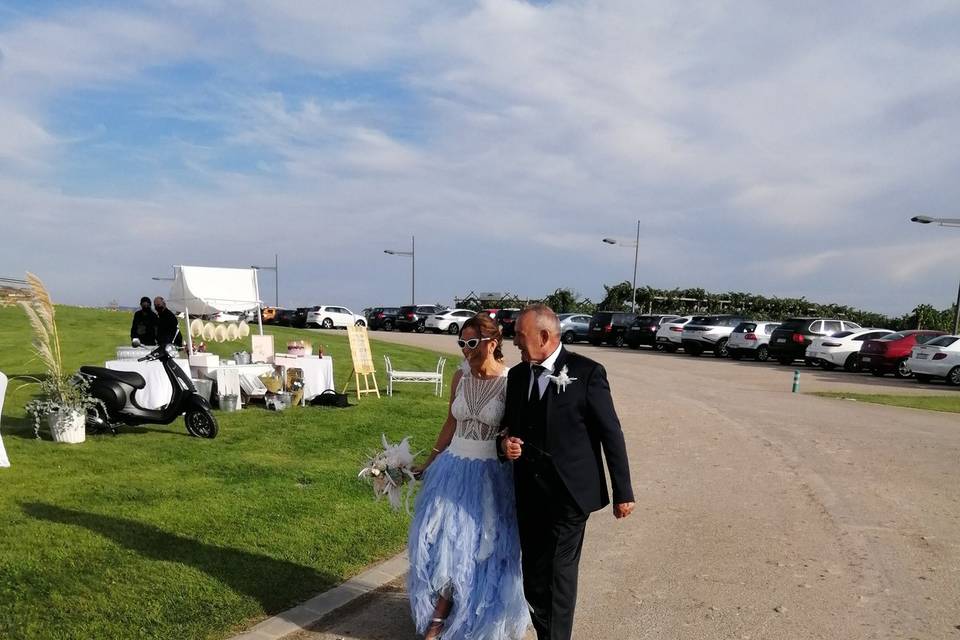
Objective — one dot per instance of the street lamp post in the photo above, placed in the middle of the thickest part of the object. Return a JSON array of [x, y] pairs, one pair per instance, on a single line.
[[412, 254], [944, 222], [276, 277], [636, 256]]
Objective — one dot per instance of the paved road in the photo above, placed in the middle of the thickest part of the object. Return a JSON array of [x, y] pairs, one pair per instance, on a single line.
[[761, 513]]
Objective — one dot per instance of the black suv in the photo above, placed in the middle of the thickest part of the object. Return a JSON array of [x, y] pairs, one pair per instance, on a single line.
[[790, 340], [382, 318], [610, 327], [299, 319], [412, 317], [507, 318], [644, 330]]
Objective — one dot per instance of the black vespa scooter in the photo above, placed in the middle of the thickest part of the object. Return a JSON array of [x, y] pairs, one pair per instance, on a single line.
[[117, 390]]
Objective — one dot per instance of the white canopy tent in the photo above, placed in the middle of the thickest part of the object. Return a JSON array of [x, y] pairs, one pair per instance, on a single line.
[[209, 290]]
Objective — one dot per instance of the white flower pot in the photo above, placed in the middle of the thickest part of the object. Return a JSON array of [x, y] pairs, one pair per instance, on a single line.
[[68, 426]]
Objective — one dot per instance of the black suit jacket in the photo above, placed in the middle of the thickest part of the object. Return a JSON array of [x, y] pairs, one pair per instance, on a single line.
[[581, 423]]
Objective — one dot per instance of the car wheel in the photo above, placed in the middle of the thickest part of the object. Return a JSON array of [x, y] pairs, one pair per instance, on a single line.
[[453, 329], [387, 325], [810, 362], [360, 323], [327, 323], [827, 366], [903, 369], [720, 349], [659, 347], [852, 364], [953, 378], [618, 341], [921, 377], [877, 372], [785, 361], [763, 353], [670, 348], [568, 337], [420, 328]]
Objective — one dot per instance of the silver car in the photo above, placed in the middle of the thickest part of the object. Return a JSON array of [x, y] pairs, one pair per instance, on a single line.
[[574, 327], [751, 339]]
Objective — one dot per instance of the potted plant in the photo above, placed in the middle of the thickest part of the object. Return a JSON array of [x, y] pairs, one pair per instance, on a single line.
[[64, 398]]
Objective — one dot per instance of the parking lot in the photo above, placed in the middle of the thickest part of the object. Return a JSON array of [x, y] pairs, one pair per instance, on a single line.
[[761, 513]]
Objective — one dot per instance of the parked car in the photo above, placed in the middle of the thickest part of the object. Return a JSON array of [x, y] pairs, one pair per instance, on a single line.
[[329, 317], [752, 340], [709, 333], [382, 318], [938, 358], [450, 320], [644, 330], [889, 353], [286, 317], [300, 317], [791, 339], [507, 319], [268, 315], [610, 327], [413, 316], [574, 327], [670, 333], [842, 349]]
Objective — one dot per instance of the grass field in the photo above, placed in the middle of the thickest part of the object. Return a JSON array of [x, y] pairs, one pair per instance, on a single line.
[[946, 403], [154, 534]]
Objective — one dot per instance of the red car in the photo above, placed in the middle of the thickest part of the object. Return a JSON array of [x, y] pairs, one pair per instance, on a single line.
[[889, 354]]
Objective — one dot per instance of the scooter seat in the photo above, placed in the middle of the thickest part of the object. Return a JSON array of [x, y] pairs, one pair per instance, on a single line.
[[131, 378]]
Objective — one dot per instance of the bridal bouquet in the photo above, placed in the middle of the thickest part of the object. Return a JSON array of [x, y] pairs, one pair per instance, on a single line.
[[390, 471]]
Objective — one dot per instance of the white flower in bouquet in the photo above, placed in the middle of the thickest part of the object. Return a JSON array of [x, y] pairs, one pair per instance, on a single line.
[[391, 473]]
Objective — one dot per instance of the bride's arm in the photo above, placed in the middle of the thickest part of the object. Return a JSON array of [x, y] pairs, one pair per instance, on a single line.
[[449, 425]]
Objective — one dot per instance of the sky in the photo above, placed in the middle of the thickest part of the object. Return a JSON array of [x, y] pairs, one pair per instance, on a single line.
[[767, 147]]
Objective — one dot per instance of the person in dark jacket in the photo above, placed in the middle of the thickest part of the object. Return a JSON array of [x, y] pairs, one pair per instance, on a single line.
[[144, 327], [167, 324]]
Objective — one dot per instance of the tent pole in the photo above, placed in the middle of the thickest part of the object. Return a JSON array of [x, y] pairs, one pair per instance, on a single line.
[[186, 319], [256, 286]]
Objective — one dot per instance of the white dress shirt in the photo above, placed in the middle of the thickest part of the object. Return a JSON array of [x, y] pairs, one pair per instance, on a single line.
[[548, 370]]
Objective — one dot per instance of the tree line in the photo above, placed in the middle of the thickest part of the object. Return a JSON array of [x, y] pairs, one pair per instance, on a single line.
[[700, 301]]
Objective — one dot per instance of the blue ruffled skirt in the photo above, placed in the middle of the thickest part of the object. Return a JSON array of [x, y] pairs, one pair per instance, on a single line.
[[464, 542]]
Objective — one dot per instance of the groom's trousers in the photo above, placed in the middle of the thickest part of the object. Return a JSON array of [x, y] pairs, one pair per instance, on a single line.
[[551, 537]]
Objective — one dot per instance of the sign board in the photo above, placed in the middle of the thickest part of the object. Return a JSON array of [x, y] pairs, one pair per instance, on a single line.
[[360, 350], [262, 348]]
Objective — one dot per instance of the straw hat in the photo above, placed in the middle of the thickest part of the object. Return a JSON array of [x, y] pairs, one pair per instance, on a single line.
[[243, 329], [196, 327], [209, 333], [220, 333], [232, 332]]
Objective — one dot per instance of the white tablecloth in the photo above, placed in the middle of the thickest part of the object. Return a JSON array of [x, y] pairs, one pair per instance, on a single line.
[[227, 377], [158, 390], [317, 372]]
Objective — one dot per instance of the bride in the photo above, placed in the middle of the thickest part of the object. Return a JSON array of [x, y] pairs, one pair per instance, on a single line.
[[464, 579]]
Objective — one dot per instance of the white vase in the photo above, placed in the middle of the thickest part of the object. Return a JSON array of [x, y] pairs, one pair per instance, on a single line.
[[68, 426]]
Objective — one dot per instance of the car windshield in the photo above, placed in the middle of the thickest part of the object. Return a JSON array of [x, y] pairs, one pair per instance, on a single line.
[[893, 336]]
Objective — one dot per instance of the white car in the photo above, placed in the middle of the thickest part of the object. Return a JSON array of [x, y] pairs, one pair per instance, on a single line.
[[450, 320], [329, 317], [751, 339], [939, 358], [669, 333], [842, 349]]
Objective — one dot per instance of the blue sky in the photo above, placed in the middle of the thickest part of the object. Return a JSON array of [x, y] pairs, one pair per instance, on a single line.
[[765, 148]]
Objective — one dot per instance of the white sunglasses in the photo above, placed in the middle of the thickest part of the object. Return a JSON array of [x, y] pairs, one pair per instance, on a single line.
[[472, 343]]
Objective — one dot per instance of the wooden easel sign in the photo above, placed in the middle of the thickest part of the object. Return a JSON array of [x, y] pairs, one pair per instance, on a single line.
[[362, 358]]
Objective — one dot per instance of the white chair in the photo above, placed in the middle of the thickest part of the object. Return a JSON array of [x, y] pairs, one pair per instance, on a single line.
[[430, 377], [4, 460]]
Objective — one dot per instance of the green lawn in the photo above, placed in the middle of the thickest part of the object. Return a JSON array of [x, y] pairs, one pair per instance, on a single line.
[[948, 403], [154, 534]]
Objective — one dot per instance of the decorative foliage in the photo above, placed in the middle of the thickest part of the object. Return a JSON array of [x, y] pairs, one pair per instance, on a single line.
[[389, 471]]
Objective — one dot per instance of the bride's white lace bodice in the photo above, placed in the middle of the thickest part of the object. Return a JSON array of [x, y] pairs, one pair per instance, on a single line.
[[478, 407]]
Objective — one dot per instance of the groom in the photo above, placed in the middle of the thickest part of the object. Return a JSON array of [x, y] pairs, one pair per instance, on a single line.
[[555, 433]]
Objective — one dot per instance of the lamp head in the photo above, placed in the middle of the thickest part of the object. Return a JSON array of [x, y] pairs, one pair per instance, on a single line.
[[922, 219], [610, 240], [387, 251]]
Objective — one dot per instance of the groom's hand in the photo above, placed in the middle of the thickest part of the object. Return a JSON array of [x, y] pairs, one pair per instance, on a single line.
[[512, 447], [622, 510]]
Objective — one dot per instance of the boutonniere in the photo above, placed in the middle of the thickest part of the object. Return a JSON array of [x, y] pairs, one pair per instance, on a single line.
[[561, 380]]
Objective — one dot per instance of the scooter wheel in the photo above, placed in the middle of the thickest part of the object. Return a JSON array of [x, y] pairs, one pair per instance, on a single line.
[[201, 424]]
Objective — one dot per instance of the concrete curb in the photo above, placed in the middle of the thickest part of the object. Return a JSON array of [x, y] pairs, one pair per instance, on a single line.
[[320, 606]]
